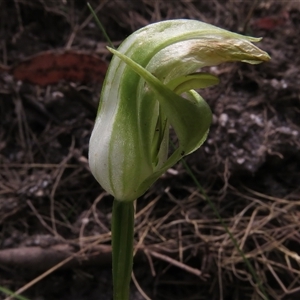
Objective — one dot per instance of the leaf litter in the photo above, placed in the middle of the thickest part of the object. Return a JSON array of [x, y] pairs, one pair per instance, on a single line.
[[52, 210]]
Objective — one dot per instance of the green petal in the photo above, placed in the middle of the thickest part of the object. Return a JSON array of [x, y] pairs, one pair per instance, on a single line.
[[192, 81], [189, 119]]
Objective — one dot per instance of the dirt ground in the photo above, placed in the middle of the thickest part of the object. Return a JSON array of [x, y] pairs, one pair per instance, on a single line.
[[55, 218]]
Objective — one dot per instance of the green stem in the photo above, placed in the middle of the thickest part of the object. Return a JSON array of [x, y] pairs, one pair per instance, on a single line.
[[122, 247]]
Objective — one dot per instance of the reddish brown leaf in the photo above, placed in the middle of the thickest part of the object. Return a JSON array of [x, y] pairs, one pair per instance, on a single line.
[[50, 67], [271, 22]]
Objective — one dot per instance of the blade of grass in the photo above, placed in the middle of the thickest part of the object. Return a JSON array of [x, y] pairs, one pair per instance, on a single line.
[[100, 26], [12, 294]]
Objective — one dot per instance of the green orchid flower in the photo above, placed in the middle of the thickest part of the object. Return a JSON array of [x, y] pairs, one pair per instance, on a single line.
[[150, 88]]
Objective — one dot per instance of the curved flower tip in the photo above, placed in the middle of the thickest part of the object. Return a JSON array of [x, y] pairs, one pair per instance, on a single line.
[[149, 88]]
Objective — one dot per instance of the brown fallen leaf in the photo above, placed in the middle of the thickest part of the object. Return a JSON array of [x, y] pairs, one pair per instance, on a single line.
[[271, 22], [50, 67]]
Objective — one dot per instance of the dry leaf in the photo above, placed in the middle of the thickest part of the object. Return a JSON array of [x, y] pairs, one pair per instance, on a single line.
[[50, 67]]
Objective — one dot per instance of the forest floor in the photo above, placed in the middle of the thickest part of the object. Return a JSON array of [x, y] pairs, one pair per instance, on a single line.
[[54, 216]]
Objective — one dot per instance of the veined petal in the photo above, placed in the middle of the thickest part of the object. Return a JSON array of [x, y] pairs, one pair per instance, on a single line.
[[185, 57], [192, 81]]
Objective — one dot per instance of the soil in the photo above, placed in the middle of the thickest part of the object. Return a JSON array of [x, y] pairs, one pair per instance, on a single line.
[[53, 211]]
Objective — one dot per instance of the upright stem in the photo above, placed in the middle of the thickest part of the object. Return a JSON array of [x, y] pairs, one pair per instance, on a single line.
[[122, 247]]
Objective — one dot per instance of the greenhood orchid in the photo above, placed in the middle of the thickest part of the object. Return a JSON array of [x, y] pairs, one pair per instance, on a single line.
[[150, 88]]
